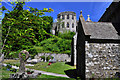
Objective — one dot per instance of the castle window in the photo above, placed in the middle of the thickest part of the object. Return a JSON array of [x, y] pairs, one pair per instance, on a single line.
[[72, 25], [62, 16], [63, 25], [59, 17], [68, 16], [67, 25], [72, 17]]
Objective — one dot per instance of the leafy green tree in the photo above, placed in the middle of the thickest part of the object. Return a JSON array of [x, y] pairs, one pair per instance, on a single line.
[[48, 27], [25, 27]]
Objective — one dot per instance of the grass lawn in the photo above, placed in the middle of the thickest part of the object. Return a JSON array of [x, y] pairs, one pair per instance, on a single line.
[[58, 67], [16, 62], [6, 74]]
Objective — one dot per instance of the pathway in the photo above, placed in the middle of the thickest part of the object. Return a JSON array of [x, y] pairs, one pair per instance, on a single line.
[[43, 72]]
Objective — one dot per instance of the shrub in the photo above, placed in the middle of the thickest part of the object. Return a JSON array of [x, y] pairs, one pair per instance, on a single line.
[[43, 57], [67, 52], [66, 35], [55, 45], [39, 49], [49, 57]]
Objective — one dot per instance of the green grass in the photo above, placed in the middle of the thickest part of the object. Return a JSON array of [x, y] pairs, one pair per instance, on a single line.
[[49, 77], [17, 62], [5, 73], [58, 67]]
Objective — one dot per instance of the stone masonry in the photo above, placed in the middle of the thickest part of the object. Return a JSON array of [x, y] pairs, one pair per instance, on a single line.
[[58, 57], [102, 59]]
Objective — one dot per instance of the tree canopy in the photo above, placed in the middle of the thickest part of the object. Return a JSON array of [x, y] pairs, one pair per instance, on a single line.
[[27, 27]]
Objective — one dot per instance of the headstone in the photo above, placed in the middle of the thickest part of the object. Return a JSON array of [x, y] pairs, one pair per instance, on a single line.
[[23, 60]]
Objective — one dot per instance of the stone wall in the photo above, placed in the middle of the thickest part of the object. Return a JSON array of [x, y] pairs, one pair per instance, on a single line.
[[70, 21], [102, 59], [58, 57]]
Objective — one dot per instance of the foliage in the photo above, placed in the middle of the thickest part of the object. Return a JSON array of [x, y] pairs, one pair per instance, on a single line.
[[56, 45], [49, 57], [27, 27], [47, 27], [43, 57], [60, 44], [66, 35], [32, 52], [39, 49], [8, 66]]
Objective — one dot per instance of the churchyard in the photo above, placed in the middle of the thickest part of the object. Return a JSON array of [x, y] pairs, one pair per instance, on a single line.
[[58, 67], [31, 51]]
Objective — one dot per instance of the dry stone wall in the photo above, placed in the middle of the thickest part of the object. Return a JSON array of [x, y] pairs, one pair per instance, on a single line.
[[102, 59], [58, 57]]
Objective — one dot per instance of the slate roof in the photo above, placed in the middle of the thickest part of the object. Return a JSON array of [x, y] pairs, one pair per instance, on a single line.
[[100, 30]]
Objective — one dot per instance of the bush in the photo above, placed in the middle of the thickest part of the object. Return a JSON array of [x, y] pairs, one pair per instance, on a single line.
[[67, 52], [66, 35], [49, 57], [39, 49], [43, 57], [55, 45]]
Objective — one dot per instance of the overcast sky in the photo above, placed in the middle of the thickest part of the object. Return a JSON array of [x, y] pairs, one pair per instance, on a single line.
[[94, 9]]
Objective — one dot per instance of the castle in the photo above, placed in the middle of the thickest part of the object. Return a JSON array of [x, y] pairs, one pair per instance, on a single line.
[[66, 21]]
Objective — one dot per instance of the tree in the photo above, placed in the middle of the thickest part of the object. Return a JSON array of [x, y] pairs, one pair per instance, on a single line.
[[25, 27]]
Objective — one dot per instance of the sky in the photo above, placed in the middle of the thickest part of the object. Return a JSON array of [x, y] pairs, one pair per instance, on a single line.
[[94, 9]]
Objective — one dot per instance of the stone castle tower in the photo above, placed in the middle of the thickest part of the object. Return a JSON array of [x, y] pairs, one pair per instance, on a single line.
[[66, 21]]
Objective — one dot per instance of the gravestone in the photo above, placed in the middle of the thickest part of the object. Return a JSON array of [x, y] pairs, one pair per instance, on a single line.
[[23, 56]]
